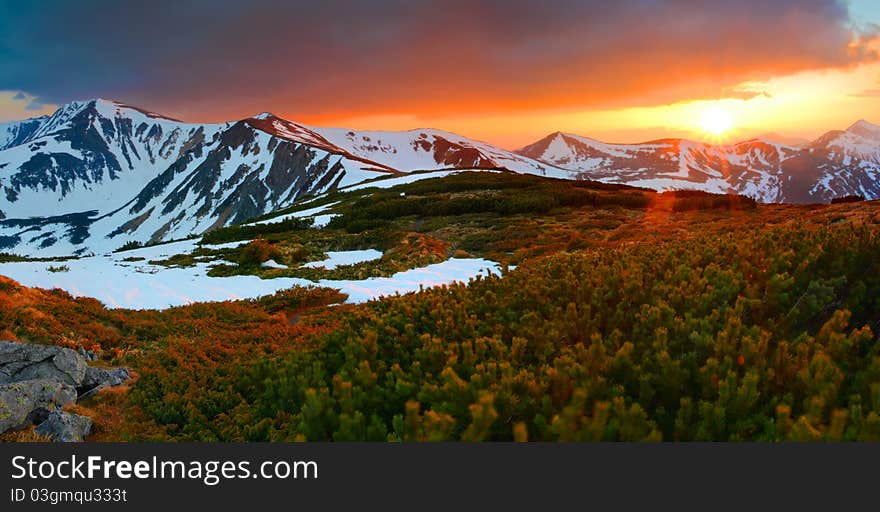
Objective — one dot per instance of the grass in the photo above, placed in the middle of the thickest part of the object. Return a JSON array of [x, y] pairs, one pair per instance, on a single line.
[[27, 435]]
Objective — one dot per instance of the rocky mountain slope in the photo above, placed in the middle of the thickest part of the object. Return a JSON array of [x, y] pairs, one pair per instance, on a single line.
[[98, 174]]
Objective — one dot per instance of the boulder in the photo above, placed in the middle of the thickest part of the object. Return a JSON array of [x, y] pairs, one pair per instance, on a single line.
[[65, 427], [100, 376], [36, 381], [26, 361], [23, 403], [97, 379]]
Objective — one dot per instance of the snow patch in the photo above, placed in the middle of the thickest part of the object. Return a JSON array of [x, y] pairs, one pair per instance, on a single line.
[[409, 178], [339, 258], [141, 285], [296, 215], [273, 264], [321, 221]]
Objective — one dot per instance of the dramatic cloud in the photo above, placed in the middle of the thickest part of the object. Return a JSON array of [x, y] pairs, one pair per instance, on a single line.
[[322, 60]]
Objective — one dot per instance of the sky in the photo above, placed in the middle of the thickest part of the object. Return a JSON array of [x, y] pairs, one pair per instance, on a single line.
[[507, 72]]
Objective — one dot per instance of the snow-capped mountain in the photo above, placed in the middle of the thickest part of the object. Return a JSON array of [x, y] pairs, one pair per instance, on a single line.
[[88, 156], [98, 174], [837, 164], [753, 167], [428, 149], [407, 151], [842, 163]]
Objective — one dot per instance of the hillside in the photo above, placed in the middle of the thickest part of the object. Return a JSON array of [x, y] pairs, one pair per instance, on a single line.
[[622, 314]]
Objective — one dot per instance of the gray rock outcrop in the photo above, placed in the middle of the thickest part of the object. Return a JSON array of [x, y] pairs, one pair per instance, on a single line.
[[26, 361], [36, 381], [97, 379], [28, 402], [65, 427]]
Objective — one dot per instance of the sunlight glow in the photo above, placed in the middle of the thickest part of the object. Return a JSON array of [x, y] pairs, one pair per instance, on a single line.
[[716, 121]]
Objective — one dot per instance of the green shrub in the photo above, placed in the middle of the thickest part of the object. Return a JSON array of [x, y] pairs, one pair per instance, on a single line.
[[761, 334], [250, 231], [688, 200]]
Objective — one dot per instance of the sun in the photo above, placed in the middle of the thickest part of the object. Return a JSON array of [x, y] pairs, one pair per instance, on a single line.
[[716, 121]]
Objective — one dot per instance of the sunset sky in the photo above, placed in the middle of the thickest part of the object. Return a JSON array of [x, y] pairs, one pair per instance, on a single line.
[[507, 72]]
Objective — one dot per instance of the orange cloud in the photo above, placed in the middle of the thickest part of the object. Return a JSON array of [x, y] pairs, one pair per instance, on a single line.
[[325, 61]]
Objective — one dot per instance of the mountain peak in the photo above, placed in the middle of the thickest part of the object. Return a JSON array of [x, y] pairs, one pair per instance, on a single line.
[[112, 106], [863, 123], [106, 108], [864, 129], [74, 107], [96, 102]]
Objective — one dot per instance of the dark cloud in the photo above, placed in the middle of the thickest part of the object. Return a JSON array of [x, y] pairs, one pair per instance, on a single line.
[[221, 59], [19, 96]]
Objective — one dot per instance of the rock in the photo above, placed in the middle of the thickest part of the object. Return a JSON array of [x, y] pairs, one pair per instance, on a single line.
[[25, 361], [88, 355], [65, 427], [99, 378], [22, 403], [37, 380]]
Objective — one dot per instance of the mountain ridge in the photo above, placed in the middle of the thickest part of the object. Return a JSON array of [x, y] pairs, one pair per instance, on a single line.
[[838, 163], [98, 174]]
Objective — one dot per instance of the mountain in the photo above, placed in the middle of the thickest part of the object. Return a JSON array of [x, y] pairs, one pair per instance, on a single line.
[[752, 167], [16, 132], [427, 149], [836, 164], [89, 154], [408, 151], [99, 174], [788, 140], [842, 163]]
